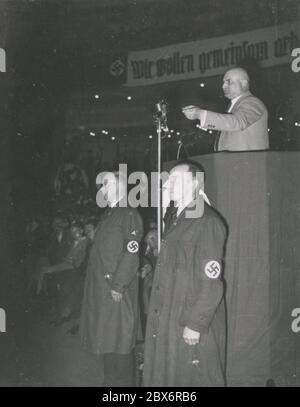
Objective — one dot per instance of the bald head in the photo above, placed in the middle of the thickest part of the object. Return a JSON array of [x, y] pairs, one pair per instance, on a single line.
[[112, 187], [238, 73], [235, 83]]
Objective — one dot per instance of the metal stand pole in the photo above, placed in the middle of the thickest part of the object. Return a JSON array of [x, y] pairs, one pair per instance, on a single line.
[[161, 124], [159, 220]]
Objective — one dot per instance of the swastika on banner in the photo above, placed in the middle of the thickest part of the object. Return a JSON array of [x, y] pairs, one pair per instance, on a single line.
[[117, 67], [212, 269], [133, 246]]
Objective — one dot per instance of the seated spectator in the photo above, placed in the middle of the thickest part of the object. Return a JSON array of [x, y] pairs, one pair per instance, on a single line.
[[148, 266], [57, 248], [33, 249], [67, 273], [152, 223], [59, 243], [89, 231]]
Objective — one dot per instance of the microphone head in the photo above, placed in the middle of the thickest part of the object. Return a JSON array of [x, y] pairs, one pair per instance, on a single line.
[[161, 107], [158, 107]]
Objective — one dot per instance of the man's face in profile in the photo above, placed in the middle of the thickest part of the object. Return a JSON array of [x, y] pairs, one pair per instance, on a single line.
[[232, 86], [109, 187], [181, 184]]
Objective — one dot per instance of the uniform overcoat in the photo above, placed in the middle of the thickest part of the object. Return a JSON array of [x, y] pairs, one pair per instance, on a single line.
[[188, 291], [107, 326]]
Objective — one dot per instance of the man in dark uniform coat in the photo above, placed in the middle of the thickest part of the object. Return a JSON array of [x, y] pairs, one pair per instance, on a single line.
[[185, 336], [109, 318]]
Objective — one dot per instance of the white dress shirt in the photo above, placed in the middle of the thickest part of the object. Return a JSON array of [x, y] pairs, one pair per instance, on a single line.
[[233, 102]]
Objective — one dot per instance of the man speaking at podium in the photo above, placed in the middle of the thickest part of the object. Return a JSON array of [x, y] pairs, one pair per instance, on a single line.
[[244, 126]]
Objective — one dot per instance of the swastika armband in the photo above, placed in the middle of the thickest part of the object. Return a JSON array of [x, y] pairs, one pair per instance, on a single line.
[[212, 268], [132, 246]]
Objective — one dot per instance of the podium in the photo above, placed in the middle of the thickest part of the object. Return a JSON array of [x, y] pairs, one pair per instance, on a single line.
[[258, 194]]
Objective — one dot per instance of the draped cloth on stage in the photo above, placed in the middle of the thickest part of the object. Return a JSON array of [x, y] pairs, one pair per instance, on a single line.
[[258, 194]]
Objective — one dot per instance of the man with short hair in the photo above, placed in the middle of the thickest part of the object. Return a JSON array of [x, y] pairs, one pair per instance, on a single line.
[[245, 125], [185, 335], [109, 317]]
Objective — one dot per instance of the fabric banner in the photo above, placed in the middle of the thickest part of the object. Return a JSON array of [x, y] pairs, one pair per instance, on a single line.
[[270, 46], [258, 194]]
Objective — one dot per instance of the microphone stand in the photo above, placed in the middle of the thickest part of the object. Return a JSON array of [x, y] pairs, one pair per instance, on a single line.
[[160, 119], [159, 220]]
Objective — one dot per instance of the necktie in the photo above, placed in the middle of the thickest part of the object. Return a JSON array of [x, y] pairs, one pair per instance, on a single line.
[[218, 133], [170, 216]]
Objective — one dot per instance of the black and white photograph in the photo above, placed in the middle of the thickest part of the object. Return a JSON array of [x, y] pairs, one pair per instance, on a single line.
[[150, 196]]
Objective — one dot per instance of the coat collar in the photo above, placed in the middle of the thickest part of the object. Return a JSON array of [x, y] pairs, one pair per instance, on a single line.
[[243, 97], [181, 217]]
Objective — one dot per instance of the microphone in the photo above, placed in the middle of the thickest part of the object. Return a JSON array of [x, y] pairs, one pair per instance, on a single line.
[[161, 109], [158, 108], [161, 114]]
